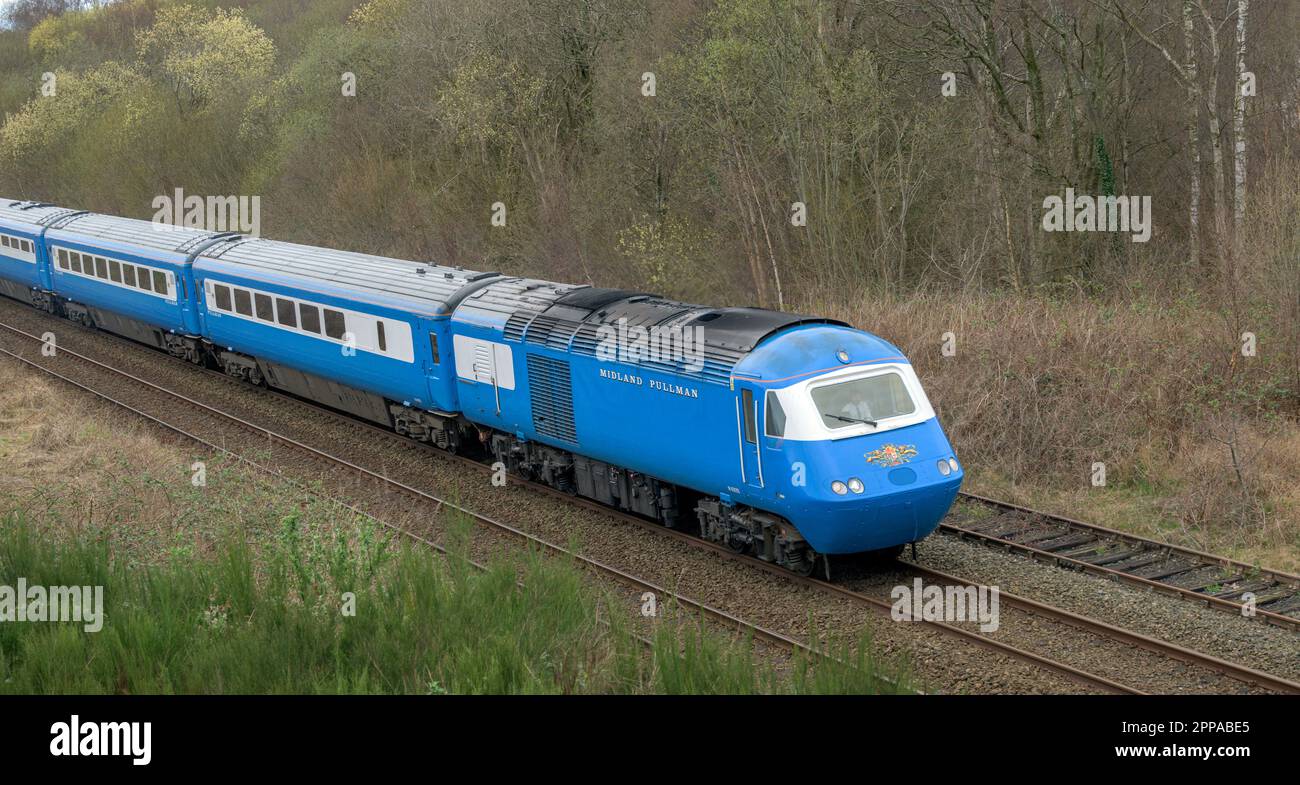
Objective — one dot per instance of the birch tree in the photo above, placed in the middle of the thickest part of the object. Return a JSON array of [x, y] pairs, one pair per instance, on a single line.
[[1239, 124], [1186, 73], [1193, 122]]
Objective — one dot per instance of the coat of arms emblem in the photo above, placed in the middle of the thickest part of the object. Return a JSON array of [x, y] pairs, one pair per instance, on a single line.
[[891, 454]]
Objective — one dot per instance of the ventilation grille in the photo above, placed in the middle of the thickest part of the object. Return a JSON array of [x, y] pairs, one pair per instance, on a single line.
[[551, 389], [514, 329]]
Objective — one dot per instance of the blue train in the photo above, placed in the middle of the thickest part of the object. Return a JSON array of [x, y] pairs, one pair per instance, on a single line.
[[788, 437]]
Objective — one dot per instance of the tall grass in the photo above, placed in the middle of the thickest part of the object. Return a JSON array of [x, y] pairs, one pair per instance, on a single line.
[[271, 619]]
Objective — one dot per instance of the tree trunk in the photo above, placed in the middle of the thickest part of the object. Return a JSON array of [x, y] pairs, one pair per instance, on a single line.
[[1193, 137], [1239, 126], [1216, 138]]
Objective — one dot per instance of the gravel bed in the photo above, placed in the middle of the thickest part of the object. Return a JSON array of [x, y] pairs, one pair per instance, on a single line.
[[1249, 642], [1089, 650]]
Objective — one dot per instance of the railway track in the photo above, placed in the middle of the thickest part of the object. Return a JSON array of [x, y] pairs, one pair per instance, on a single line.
[[1214, 581], [1091, 680]]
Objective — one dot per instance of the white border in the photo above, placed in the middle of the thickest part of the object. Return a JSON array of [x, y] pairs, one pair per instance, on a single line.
[[14, 253], [397, 333], [804, 423], [170, 296]]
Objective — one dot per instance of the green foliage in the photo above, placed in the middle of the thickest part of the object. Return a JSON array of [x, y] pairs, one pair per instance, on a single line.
[[278, 620], [202, 55], [49, 123], [488, 100]]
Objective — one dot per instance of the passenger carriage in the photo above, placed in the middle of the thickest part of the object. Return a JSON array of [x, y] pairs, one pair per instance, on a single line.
[[129, 277], [24, 275], [364, 334]]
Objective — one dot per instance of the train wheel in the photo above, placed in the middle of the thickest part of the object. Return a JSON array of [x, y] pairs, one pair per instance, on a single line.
[[805, 566]]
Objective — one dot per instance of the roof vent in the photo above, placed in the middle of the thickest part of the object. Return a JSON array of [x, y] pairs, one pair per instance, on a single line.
[[419, 271]]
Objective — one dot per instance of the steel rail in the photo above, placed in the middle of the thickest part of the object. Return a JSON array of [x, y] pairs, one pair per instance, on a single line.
[[1145, 546]]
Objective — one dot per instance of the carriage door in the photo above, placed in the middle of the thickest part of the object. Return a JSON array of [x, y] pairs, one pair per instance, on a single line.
[[748, 433]]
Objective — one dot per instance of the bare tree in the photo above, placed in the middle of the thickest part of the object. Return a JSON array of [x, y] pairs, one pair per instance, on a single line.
[[1239, 125], [1186, 73], [1193, 122]]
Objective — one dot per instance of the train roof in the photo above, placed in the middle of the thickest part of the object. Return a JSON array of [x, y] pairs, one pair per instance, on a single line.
[[571, 318], [427, 289], [30, 213], [129, 232]]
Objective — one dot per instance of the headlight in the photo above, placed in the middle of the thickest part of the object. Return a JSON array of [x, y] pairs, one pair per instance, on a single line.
[[944, 468], [855, 485], [839, 487], [953, 463]]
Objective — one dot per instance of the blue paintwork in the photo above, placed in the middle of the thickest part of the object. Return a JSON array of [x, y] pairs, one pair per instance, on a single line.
[[693, 441], [17, 270], [623, 416], [177, 316], [417, 384]]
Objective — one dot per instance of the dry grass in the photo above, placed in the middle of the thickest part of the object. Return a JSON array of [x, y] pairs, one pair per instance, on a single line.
[[79, 469]]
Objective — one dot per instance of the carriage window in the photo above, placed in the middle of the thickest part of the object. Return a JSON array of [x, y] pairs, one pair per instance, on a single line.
[[334, 324], [101, 267], [775, 416], [143, 280], [433, 342], [223, 297], [383, 339], [4, 240], [747, 412], [159, 282], [263, 303], [243, 302], [75, 261], [115, 271], [27, 246], [128, 274], [284, 308], [310, 316], [63, 259]]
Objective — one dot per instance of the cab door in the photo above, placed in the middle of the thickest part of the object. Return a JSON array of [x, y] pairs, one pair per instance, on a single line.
[[748, 435], [438, 364]]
